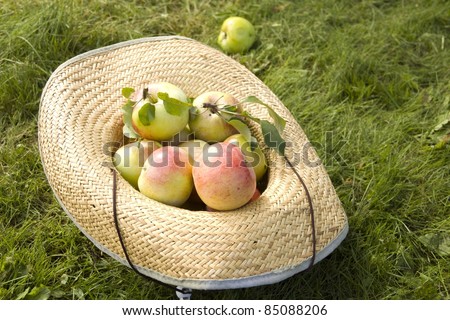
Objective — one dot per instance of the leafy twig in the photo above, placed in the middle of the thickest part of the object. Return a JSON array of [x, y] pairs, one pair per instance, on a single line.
[[272, 132]]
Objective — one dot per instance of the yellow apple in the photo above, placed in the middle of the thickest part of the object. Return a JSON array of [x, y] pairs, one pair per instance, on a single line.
[[206, 123], [167, 176], [255, 158], [164, 125], [130, 158]]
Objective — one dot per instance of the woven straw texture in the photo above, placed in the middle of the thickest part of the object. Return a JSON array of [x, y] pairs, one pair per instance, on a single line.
[[79, 119]]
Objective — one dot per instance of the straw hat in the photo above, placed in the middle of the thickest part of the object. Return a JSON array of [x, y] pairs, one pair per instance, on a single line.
[[266, 241]]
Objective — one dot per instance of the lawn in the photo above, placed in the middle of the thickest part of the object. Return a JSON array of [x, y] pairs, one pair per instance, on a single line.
[[368, 81]]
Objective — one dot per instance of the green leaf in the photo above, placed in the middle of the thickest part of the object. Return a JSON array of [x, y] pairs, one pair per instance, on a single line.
[[441, 126], [128, 131], [439, 136], [248, 115], [241, 127], [439, 242], [147, 113], [127, 111], [272, 137], [173, 106], [58, 293], [78, 293], [127, 92], [230, 108], [23, 294], [64, 278], [280, 123], [38, 293]]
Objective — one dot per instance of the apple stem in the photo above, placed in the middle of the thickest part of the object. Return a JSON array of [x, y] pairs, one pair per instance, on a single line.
[[230, 112], [244, 114], [145, 93], [214, 108]]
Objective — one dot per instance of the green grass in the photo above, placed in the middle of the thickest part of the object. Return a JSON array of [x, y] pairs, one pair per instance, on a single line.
[[369, 82]]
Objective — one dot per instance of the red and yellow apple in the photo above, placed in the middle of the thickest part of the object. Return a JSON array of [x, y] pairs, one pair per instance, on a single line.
[[256, 195], [195, 149], [222, 178], [167, 176]]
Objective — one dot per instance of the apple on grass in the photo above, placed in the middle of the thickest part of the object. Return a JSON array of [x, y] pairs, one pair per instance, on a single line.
[[222, 178], [159, 124], [130, 158], [167, 176], [236, 35], [205, 121], [255, 158]]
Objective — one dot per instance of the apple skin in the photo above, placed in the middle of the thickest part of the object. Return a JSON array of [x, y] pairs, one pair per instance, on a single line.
[[194, 148], [165, 125], [130, 158], [222, 178], [236, 35], [255, 158], [172, 90], [207, 125], [167, 176], [182, 136], [255, 197]]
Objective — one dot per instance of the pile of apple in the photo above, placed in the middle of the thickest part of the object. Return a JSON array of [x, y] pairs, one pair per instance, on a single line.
[[184, 150]]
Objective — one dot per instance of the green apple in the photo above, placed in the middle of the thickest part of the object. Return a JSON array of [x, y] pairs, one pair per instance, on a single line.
[[130, 158], [236, 35], [206, 123], [164, 125], [255, 158]]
